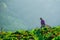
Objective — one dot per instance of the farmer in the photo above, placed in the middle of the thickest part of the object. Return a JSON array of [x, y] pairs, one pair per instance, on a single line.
[[42, 23]]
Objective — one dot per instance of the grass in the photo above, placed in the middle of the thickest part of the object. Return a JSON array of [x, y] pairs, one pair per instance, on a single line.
[[45, 33]]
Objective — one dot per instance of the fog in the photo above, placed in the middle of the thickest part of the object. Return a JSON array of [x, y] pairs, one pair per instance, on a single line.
[[25, 14]]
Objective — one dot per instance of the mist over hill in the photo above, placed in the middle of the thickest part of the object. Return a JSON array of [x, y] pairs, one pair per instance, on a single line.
[[25, 14]]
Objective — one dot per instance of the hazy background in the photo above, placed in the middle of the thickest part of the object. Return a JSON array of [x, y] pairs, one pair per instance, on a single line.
[[25, 14]]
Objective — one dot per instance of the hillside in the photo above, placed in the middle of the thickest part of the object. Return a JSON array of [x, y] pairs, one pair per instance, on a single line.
[[45, 33]]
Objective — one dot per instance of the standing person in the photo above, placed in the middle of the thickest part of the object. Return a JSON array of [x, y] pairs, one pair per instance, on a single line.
[[42, 23]]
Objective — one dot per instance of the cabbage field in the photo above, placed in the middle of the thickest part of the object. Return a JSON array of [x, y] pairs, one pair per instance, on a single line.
[[45, 33]]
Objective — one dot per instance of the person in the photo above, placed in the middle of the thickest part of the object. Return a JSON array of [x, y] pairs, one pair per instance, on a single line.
[[42, 23]]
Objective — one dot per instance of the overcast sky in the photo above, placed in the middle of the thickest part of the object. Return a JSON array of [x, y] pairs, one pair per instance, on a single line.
[[25, 14]]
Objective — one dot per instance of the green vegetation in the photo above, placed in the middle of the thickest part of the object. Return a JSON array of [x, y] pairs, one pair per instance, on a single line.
[[46, 33]]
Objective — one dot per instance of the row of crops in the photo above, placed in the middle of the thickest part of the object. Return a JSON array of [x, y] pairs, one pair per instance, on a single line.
[[46, 33]]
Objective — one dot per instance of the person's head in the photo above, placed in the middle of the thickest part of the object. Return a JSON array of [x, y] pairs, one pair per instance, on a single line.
[[40, 18]]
